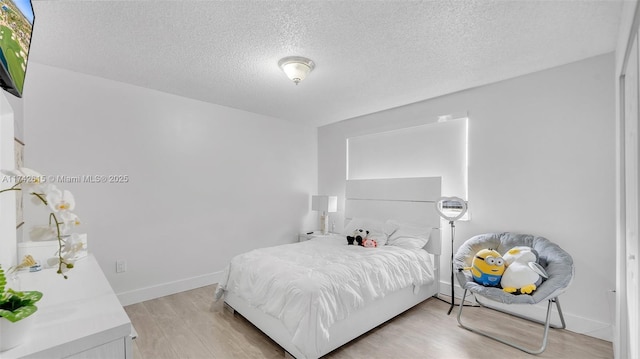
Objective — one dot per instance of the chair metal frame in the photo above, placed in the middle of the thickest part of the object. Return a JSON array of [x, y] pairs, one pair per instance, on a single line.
[[547, 324]]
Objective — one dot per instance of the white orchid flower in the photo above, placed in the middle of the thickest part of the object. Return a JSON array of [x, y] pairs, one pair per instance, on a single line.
[[61, 221], [32, 176], [32, 181], [69, 221], [39, 197], [72, 246], [29, 180], [60, 201], [12, 173]]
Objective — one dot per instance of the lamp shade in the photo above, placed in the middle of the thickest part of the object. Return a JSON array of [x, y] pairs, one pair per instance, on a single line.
[[324, 203], [296, 67]]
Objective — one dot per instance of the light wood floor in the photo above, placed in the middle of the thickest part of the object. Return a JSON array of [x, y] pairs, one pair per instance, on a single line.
[[184, 325]]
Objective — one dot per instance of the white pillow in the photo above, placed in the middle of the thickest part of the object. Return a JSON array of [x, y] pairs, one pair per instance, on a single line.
[[409, 235], [378, 230], [408, 243]]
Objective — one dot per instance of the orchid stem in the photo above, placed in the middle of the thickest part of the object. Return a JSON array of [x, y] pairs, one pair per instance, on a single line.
[[11, 189], [60, 259], [40, 197]]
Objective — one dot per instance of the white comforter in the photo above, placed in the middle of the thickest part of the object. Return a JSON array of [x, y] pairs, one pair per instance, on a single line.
[[313, 284]]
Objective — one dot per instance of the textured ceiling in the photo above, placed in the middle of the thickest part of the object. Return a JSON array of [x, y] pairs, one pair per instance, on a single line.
[[369, 55]]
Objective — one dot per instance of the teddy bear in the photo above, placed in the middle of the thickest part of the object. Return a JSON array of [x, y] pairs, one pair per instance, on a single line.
[[359, 236]]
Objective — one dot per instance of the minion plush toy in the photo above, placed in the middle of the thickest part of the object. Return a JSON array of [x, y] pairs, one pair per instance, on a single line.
[[487, 267]]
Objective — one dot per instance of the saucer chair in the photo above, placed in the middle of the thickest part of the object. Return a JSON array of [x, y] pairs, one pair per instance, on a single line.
[[557, 263]]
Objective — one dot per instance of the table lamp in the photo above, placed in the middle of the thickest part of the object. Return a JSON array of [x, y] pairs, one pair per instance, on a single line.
[[325, 205]]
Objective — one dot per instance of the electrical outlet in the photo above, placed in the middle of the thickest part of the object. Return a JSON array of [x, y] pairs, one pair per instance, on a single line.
[[121, 266]]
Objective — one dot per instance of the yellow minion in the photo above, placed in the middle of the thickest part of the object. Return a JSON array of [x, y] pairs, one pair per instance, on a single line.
[[487, 267]]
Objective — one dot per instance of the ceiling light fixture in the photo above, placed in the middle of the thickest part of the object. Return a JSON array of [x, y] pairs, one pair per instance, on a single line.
[[296, 67]]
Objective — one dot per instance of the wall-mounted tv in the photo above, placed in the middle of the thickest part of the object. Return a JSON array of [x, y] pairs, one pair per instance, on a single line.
[[16, 26]]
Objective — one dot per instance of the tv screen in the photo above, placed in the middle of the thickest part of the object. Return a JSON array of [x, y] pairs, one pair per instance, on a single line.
[[16, 26]]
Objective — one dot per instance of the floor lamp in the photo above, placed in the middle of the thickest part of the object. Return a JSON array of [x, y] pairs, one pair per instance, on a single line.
[[451, 209]]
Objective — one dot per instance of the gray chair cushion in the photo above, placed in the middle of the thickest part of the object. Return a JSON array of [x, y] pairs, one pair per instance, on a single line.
[[557, 263]]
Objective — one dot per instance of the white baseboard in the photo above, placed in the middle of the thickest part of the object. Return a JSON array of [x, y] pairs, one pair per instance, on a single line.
[[576, 324], [164, 289]]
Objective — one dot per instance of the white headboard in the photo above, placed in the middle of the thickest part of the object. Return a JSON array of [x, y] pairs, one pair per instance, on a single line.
[[404, 199]]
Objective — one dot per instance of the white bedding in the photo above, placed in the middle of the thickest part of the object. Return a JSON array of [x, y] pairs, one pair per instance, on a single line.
[[311, 285]]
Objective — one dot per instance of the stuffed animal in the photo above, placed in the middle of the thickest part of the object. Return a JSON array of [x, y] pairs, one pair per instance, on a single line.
[[523, 273], [369, 243], [487, 267], [359, 235]]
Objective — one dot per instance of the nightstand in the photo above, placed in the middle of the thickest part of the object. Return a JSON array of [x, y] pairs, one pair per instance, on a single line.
[[305, 237]]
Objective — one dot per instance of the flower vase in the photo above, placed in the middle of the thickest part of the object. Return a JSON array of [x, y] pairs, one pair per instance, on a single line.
[[14, 334]]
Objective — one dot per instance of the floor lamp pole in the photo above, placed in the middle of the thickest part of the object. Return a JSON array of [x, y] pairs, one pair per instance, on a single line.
[[453, 226], [452, 209]]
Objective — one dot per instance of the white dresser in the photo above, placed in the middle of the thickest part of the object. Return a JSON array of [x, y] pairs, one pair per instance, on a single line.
[[79, 317]]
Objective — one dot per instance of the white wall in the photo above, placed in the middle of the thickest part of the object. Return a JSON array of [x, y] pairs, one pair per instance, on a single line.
[[534, 141], [206, 182]]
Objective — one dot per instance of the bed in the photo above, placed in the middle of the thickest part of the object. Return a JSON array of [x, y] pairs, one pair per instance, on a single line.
[[312, 297]]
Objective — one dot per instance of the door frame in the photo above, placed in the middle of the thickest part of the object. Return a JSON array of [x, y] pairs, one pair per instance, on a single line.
[[622, 341]]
